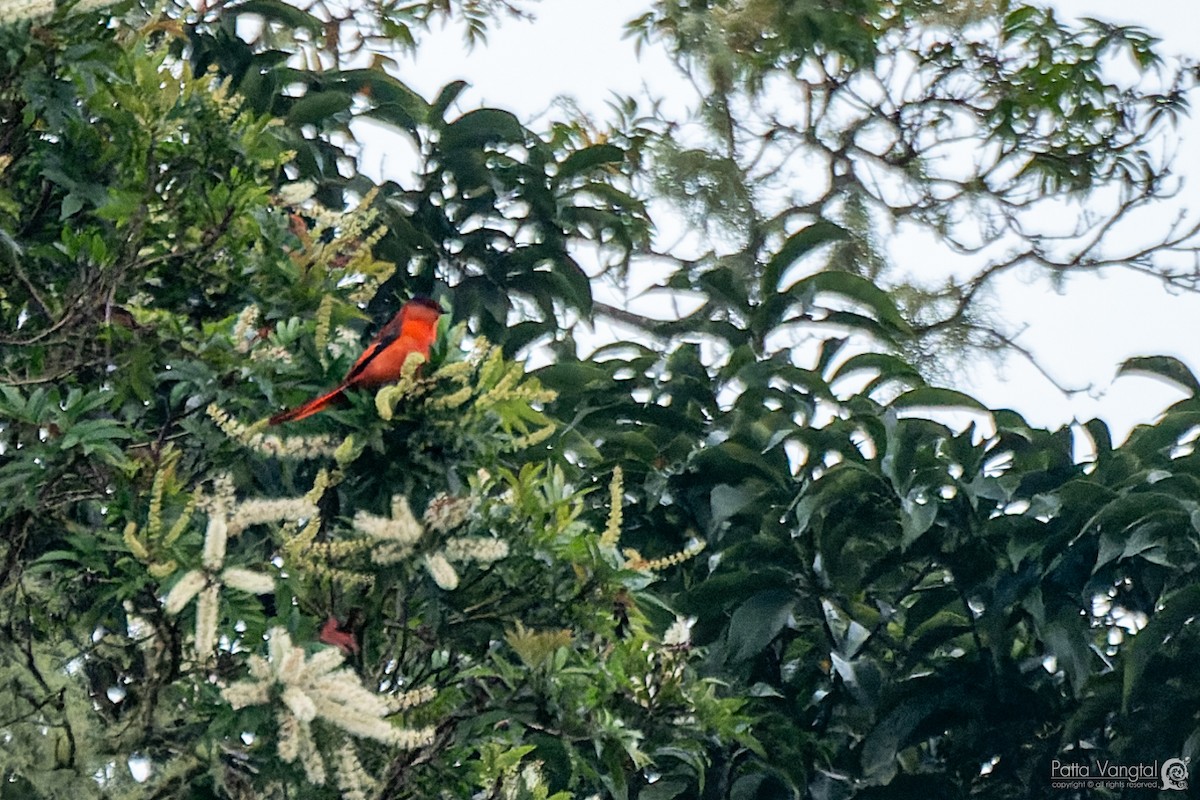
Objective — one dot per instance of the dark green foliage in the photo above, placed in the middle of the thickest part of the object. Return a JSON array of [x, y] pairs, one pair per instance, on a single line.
[[496, 210]]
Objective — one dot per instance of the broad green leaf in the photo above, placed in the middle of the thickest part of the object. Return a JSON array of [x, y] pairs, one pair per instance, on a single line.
[[1177, 609], [728, 462], [1120, 544], [937, 631], [279, 11], [858, 290], [1066, 637], [384, 90], [797, 245], [757, 621], [446, 96], [893, 731], [829, 351], [573, 375], [481, 127], [577, 283], [727, 500], [888, 367], [934, 397], [587, 159], [1167, 368], [1156, 442], [316, 107], [92, 432], [1100, 435], [915, 519], [1127, 510], [664, 789]]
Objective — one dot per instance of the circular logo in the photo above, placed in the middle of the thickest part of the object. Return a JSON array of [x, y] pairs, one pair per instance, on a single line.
[[1175, 774]]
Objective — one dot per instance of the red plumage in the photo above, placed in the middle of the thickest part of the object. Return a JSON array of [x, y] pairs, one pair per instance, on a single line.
[[412, 330]]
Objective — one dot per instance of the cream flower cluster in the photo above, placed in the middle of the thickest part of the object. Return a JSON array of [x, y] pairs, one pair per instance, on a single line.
[[679, 634], [441, 571], [352, 779], [227, 517], [634, 560], [85, 6], [446, 512], [245, 329], [269, 444], [267, 510], [397, 536], [463, 549], [297, 192], [213, 574], [275, 354], [18, 10], [315, 687], [480, 549]]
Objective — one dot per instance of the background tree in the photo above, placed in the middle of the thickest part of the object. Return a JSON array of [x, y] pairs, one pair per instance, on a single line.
[[993, 129]]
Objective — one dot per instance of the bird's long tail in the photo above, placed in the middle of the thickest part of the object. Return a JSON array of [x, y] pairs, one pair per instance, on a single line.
[[311, 407]]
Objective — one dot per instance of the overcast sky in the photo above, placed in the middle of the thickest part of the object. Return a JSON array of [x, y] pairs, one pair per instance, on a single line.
[[1080, 335]]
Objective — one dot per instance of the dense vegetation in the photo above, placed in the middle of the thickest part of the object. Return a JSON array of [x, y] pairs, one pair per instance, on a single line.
[[742, 555]]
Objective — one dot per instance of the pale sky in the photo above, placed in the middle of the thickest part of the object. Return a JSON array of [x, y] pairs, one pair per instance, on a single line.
[[1081, 335]]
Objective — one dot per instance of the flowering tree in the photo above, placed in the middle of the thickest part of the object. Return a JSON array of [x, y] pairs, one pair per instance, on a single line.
[[482, 582], [401, 598]]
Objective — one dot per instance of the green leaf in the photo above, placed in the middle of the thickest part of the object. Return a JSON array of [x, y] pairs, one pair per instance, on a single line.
[[316, 107], [934, 397], [916, 519], [858, 290], [1098, 430], [1019, 20], [587, 159], [1177, 609], [1115, 544], [574, 375], [799, 244], [829, 351], [726, 500], [448, 94], [893, 732], [663, 790], [386, 92], [728, 462], [757, 621], [889, 367], [278, 11], [1167, 368], [481, 127], [1066, 638], [576, 282], [92, 432]]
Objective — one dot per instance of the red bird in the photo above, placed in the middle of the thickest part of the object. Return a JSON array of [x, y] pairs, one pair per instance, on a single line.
[[412, 330], [339, 635]]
